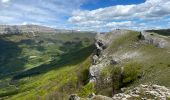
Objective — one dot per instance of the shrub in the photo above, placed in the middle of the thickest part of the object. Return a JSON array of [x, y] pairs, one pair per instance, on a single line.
[[109, 81], [119, 77], [116, 78], [131, 72]]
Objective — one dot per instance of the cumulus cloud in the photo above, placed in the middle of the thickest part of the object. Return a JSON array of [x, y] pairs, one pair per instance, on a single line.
[[130, 14], [119, 24], [5, 1], [148, 9], [49, 12]]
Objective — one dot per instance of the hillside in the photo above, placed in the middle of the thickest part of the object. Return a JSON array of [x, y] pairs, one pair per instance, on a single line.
[[54, 66], [26, 59], [123, 61]]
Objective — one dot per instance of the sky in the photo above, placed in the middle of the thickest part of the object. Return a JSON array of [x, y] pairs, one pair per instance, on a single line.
[[89, 15]]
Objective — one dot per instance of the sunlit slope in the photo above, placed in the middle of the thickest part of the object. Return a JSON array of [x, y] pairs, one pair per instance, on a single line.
[[128, 60], [31, 60]]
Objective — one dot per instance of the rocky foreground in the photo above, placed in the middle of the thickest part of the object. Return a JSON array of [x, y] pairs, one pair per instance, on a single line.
[[142, 92]]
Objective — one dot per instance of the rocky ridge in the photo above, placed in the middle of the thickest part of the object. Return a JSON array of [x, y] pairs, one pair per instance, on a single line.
[[101, 59], [17, 29], [157, 40]]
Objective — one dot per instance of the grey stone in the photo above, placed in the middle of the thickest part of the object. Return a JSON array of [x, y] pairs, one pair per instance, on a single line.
[[74, 97]]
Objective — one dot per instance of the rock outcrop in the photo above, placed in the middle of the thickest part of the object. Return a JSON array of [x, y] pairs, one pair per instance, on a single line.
[[100, 58], [74, 97], [154, 39], [144, 92]]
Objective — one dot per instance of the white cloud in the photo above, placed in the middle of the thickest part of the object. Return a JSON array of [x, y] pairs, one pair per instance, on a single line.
[[5, 1], [149, 9], [123, 16], [48, 12], [119, 24]]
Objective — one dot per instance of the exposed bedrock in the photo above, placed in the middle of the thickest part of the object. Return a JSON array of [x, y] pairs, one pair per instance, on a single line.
[[101, 59], [154, 39]]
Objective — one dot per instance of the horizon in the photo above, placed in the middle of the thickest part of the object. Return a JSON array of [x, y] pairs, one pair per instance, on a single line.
[[86, 15]]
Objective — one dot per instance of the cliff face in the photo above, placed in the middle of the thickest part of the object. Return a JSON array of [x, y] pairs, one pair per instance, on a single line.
[[101, 58]]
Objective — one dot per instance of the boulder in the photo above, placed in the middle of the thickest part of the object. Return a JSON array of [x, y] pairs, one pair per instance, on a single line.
[[74, 97], [154, 39]]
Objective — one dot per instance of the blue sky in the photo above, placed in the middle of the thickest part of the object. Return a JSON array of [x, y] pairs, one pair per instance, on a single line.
[[95, 4], [95, 15]]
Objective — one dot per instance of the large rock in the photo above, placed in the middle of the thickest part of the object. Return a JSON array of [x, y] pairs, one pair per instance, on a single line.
[[74, 97], [100, 97], [155, 39]]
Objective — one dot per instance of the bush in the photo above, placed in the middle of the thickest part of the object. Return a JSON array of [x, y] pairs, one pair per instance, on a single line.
[[116, 79], [131, 72], [120, 77]]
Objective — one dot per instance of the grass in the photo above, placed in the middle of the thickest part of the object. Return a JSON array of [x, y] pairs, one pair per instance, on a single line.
[[131, 72], [153, 59], [87, 90], [63, 80], [123, 41], [44, 65]]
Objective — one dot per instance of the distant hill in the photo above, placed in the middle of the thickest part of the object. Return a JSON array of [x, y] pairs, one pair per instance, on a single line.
[[165, 32], [16, 29]]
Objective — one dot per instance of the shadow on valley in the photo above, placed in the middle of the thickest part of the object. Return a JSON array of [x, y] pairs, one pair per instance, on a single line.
[[67, 59], [10, 58]]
